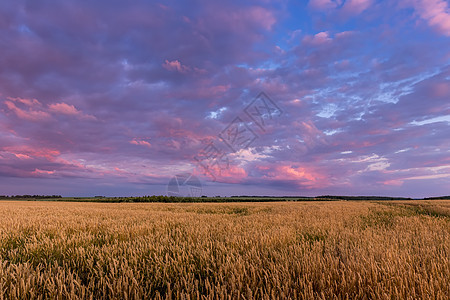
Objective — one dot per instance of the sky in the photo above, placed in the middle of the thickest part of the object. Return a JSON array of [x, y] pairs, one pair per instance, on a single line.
[[309, 98]]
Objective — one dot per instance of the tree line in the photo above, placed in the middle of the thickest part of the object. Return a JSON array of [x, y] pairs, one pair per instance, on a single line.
[[30, 197]]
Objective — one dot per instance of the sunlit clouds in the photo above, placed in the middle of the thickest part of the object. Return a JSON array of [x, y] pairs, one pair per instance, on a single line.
[[115, 98]]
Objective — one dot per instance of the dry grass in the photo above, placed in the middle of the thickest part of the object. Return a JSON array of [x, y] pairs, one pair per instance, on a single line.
[[325, 250]]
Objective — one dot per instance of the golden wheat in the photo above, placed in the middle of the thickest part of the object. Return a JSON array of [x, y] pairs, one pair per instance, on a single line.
[[322, 250]]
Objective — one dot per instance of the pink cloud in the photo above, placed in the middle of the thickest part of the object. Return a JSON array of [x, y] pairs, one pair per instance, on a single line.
[[25, 151], [348, 8], [231, 174], [324, 4], [260, 16], [204, 90], [291, 172], [175, 65], [320, 38], [311, 135], [326, 40], [28, 113], [27, 102], [140, 142], [22, 156], [394, 182], [242, 24], [435, 12], [64, 108], [39, 172], [304, 176], [68, 109], [355, 7], [33, 110]]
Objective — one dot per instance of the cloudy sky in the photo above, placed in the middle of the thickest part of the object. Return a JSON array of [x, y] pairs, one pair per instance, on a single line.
[[117, 97]]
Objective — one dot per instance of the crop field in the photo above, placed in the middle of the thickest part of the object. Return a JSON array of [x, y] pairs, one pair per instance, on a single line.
[[306, 250]]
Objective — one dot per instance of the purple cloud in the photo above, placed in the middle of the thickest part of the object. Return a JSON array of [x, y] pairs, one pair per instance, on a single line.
[[122, 96]]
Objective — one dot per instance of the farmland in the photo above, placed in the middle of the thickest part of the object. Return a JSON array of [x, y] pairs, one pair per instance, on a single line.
[[320, 249]]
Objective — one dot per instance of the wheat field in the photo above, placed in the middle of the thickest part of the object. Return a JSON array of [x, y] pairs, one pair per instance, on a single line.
[[297, 250]]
